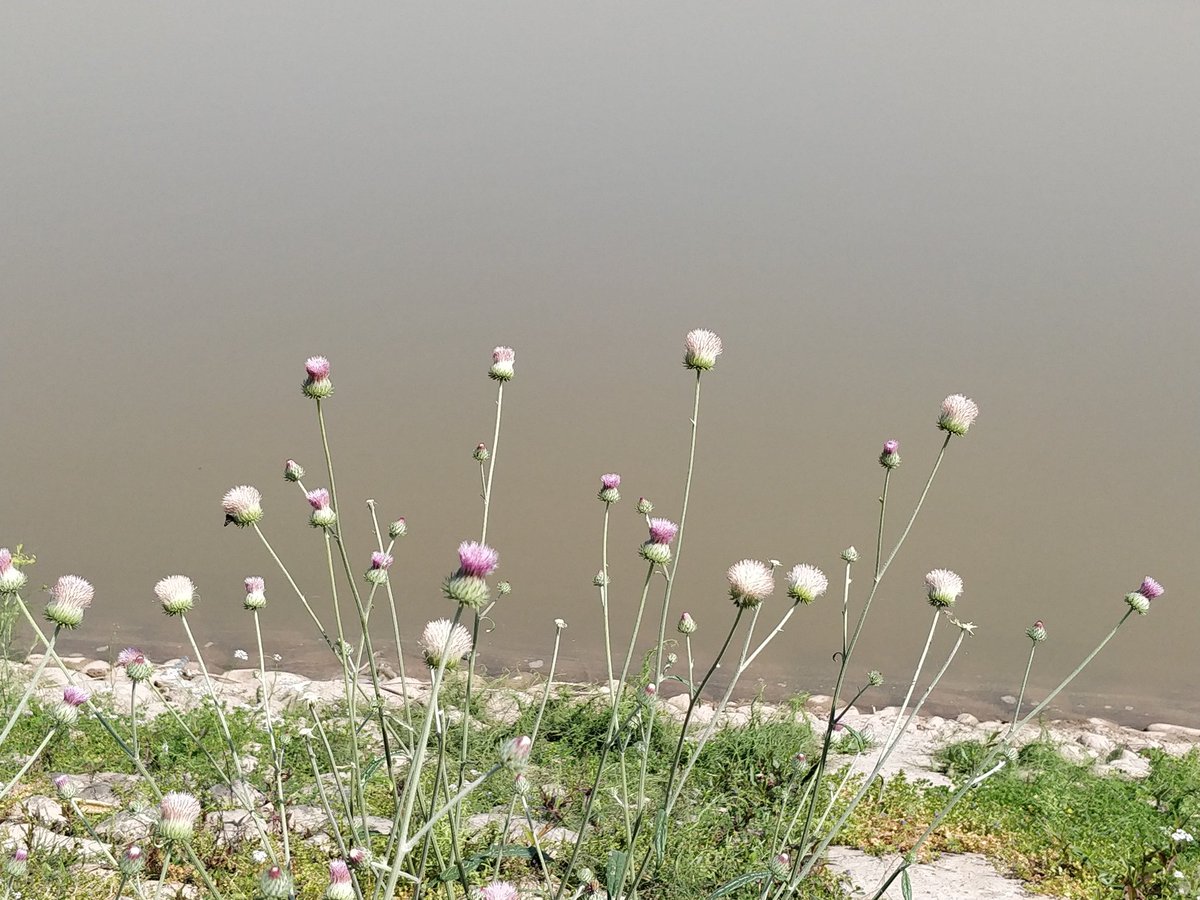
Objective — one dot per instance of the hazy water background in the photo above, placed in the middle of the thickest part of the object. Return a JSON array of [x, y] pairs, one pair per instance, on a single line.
[[875, 205]]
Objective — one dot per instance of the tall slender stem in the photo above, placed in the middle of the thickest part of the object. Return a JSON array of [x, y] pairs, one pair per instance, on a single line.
[[487, 492], [295, 587], [33, 683]]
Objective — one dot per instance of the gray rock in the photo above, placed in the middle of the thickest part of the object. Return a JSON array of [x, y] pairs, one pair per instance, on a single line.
[[39, 810], [306, 820], [1097, 743], [238, 795], [126, 827], [231, 826]]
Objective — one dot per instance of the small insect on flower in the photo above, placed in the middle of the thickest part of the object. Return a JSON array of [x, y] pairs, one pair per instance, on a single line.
[[242, 505]]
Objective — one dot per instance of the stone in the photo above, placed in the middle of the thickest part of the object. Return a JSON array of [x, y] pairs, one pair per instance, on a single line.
[[1130, 764], [40, 810], [967, 719], [232, 826], [307, 820], [127, 827], [1097, 743], [239, 794], [1174, 730], [97, 668]]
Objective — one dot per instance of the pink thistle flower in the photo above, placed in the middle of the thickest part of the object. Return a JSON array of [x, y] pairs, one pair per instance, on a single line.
[[69, 597], [514, 753], [135, 664], [890, 457], [128, 655], [663, 531], [66, 712], [12, 579], [958, 413], [806, 583], [317, 385], [340, 887], [398, 529], [292, 471], [657, 549], [74, 696], [357, 856], [1151, 589], [318, 499], [256, 593], [502, 364], [65, 786], [18, 864], [608, 488], [275, 883], [944, 587], [323, 515], [177, 814], [499, 890], [476, 559], [380, 562], [750, 583], [176, 593], [243, 505], [701, 349]]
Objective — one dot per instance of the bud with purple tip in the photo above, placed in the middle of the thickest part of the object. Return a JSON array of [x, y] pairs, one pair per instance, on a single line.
[[317, 385], [292, 471], [275, 883], [481, 454], [17, 864], [398, 529], [1036, 632], [132, 861], [687, 625], [66, 712], [514, 753], [380, 563], [323, 515], [256, 593], [608, 488], [890, 457], [644, 507]]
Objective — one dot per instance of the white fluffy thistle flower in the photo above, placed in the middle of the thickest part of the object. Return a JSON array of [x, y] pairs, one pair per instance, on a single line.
[[958, 412], [444, 640], [750, 582], [177, 594], [944, 587], [701, 348], [806, 583], [177, 816], [69, 597]]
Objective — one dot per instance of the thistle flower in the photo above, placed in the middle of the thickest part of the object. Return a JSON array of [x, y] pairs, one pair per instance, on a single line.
[[780, 866], [66, 712], [944, 587], [850, 555], [12, 579], [874, 678], [644, 507], [292, 471], [322, 515], [177, 594], [18, 864], [357, 856], [806, 583], [701, 349], [1036, 632], [658, 548], [514, 753], [443, 640], [750, 583], [498, 890], [275, 883], [135, 664], [65, 786], [890, 457], [380, 562], [256, 593], [687, 625], [177, 814], [317, 385], [1139, 600], [132, 861], [398, 529], [477, 559], [481, 454], [608, 488], [69, 597], [340, 887], [502, 364], [958, 412], [243, 505]]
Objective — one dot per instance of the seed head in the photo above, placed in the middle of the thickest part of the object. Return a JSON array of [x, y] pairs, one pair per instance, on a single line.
[[256, 593], [292, 471], [177, 594], [317, 385], [445, 640], [750, 583], [12, 579], [958, 413], [177, 814], [243, 505], [502, 364], [806, 583], [944, 587], [69, 597], [701, 349]]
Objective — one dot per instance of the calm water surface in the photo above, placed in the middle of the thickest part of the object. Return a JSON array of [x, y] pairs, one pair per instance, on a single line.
[[875, 207]]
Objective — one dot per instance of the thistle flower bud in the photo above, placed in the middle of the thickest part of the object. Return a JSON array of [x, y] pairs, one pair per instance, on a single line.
[[750, 583], [608, 488], [292, 471], [890, 457], [398, 529], [69, 597], [256, 593], [340, 886], [1010, 754], [503, 588], [650, 691], [468, 590], [701, 349], [806, 583], [672, 658], [323, 515], [176, 593], [65, 786], [780, 866], [481, 454], [958, 414], [135, 664], [850, 555], [799, 762], [66, 712], [514, 753], [132, 861], [317, 385], [242, 505], [12, 579], [521, 784], [600, 579], [275, 883], [380, 563], [687, 625], [874, 678], [944, 587], [1036, 632], [177, 814], [502, 364], [17, 864], [644, 507], [445, 641], [358, 856]]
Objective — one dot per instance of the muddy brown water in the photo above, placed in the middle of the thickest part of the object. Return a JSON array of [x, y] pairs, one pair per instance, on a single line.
[[875, 208]]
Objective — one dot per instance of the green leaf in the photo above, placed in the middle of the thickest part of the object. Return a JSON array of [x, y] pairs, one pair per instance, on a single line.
[[905, 885], [615, 871], [741, 881], [660, 836], [471, 863]]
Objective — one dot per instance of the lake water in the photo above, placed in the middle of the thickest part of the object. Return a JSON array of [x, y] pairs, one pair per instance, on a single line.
[[875, 207]]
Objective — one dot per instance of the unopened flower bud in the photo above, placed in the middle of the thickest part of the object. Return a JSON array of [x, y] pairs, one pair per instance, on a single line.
[[503, 588], [799, 762], [889, 458], [644, 507], [132, 861], [481, 453], [17, 864], [650, 691], [398, 529], [502, 364], [317, 385], [780, 866], [1010, 754], [514, 753], [850, 555], [687, 625], [672, 658], [275, 883], [292, 470], [874, 678], [65, 786], [521, 784], [1036, 632], [66, 712]]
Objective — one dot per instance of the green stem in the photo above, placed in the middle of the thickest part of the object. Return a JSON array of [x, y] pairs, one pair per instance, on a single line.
[[296, 588], [28, 762], [487, 493], [276, 757], [33, 682], [604, 599], [237, 764]]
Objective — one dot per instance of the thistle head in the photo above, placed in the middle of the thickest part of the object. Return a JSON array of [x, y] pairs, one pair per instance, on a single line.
[[701, 349], [243, 505], [958, 413], [477, 559], [687, 625], [850, 555], [644, 507], [514, 753], [398, 529], [481, 454], [65, 786], [1036, 632], [275, 883], [323, 515], [444, 643], [780, 866], [132, 861], [17, 863], [874, 678], [317, 385], [12, 579], [69, 597], [806, 583], [135, 664], [177, 814], [502, 364], [1139, 600], [657, 548], [292, 471], [889, 458], [503, 588], [497, 890], [176, 593], [256, 593], [750, 583], [943, 587], [340, 886], [358, 856], [380, 563], [608, 488]]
